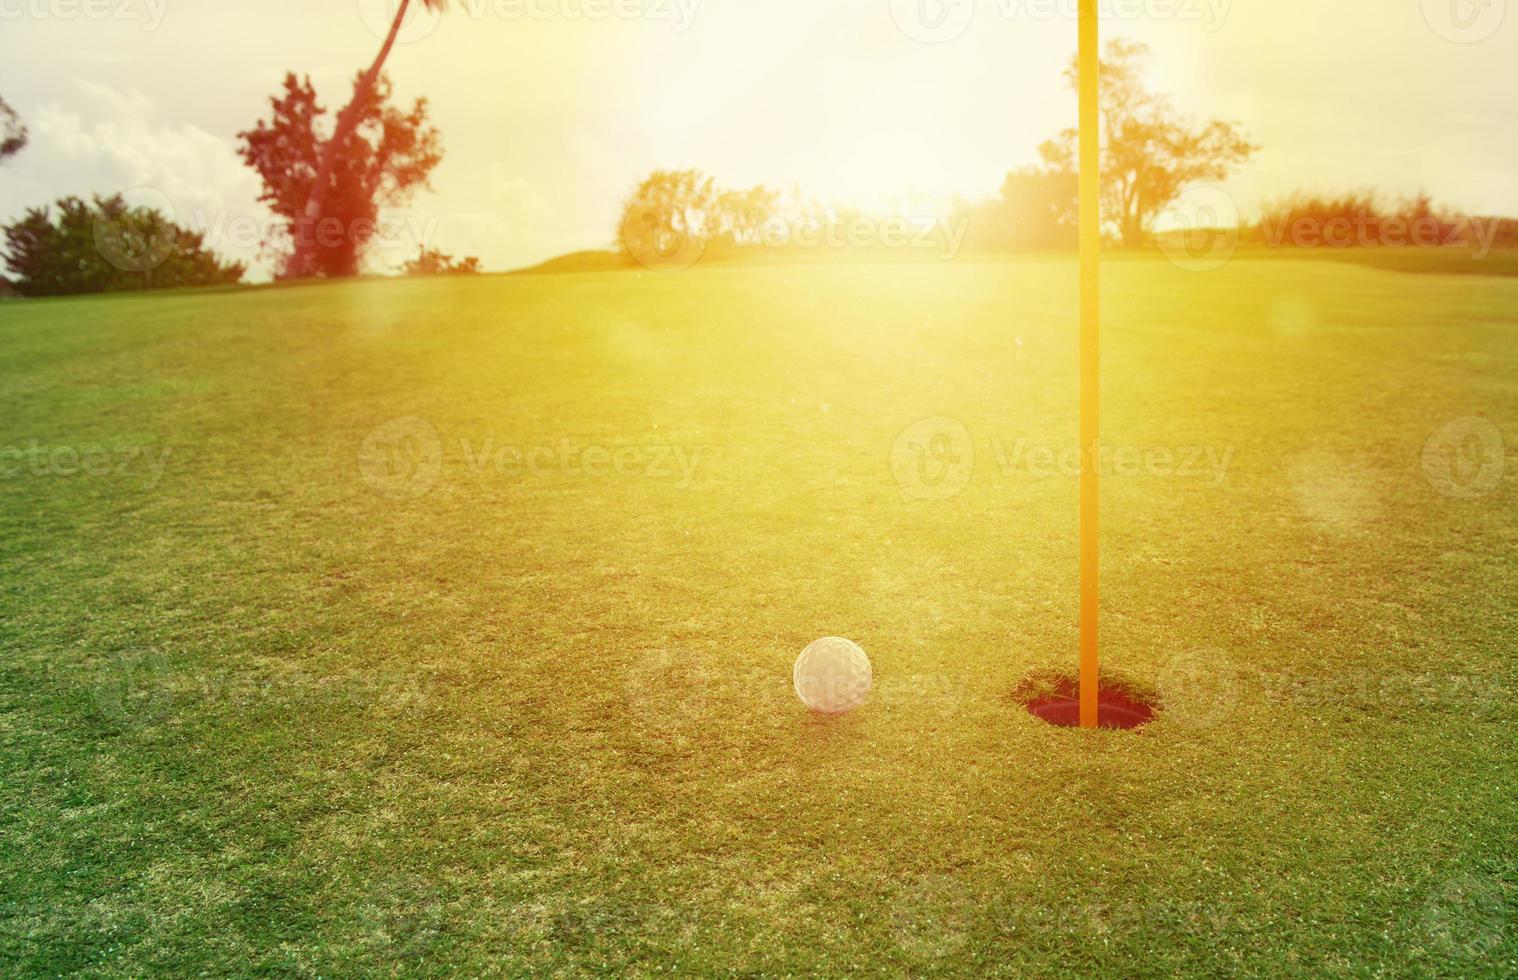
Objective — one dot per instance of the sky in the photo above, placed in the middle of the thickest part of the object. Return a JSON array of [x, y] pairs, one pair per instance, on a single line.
[[551, 110]]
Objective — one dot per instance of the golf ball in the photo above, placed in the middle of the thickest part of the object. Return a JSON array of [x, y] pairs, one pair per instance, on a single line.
[[832, 675]]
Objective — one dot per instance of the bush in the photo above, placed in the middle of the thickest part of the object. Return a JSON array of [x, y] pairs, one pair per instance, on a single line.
[[1355, 220], [1037, 210], [107, 246], [432, 262]]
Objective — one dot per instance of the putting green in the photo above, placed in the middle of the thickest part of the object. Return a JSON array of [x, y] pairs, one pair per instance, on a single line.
[[448, 624]]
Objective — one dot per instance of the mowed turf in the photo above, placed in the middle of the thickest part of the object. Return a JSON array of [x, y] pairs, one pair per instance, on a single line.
[[288, 686]]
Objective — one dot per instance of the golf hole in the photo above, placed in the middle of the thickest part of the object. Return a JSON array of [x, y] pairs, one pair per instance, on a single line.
[[1055, 698]]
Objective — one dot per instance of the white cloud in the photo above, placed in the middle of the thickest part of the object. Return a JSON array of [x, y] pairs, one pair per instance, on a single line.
[[111, 140], [521, 203]]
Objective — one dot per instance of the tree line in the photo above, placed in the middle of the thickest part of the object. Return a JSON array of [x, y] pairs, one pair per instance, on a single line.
[[1151, 155], [327, 176]]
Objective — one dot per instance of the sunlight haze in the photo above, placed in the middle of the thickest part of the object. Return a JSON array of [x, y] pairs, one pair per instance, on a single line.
[[549, 119]]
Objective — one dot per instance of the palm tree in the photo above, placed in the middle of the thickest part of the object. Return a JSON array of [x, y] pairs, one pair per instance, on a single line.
[[347, 121]]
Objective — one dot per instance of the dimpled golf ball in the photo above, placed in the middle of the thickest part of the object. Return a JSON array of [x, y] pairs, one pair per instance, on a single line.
[[832, 675]]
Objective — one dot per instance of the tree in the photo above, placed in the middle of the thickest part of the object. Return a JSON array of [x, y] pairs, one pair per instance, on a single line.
[[676, 217], [1149, 153], [13, 133], [1044, 205], [666, 221], [1037, 209], [739, 216], [107, 246], [305, 261], [385, 155], [433, 262]]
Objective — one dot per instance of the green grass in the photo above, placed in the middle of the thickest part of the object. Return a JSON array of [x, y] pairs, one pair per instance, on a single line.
[[270, 710], [1451, 261]]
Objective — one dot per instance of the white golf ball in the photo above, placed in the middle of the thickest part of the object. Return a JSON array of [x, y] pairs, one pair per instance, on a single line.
[[832, 675]]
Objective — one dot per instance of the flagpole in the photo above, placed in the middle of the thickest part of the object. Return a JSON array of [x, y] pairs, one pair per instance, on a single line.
[[1090, 361]]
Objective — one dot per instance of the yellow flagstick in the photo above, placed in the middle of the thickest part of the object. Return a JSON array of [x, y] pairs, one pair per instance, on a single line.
[[1090, 369]]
